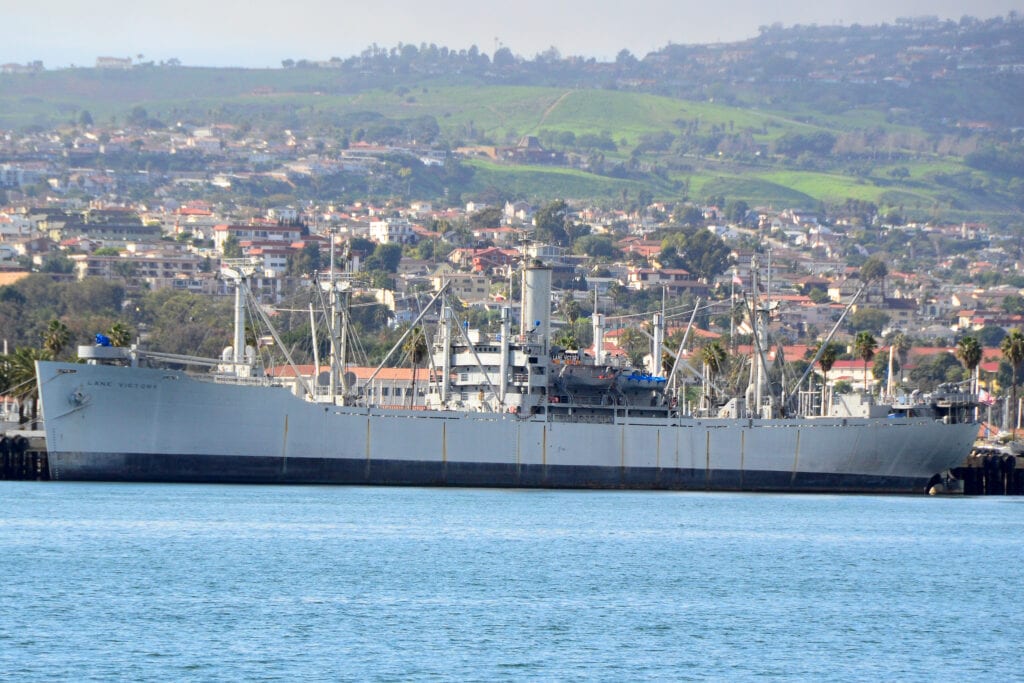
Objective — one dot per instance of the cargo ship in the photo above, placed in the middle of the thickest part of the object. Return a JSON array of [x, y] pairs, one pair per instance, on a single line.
[[506, 409]]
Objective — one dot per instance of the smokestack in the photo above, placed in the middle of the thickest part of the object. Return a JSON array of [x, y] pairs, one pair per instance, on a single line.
[[537, 302]]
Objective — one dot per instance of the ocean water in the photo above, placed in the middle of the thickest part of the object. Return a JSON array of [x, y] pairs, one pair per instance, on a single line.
[[244, 583]]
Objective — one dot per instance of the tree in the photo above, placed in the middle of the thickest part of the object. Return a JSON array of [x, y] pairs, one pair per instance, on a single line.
[[56, 337], [870, 319], [92, 294], [490, 217], [713, 356], [575, 231], [390, 255], [503, 57], [551, 221], [880, 368], [933, 370], [57, 263], [569, 307], [231, 248], [688, 214], [1012, 347], [736, 210], [119, 334], [138, 116], [625, 58], [901, 343], [826, 360], [595, 246], [818, 295], [19, 373], [567, 339], [794, 144], [634, 343], [305, 261], [864, 345], [968, 352], [991, 335], [697, 250], [186, 323], [415, 347], [873, 269], [1013, 304]]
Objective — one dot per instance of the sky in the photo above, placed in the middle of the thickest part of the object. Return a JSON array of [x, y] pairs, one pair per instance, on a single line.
[[259, 33]]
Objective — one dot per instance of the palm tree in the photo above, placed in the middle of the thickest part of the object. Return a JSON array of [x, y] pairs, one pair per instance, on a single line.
[[901, 343], [119, 334], [864, 346], [968, 351], [19, 372], [667, 361], [567, 340], [633, 342], [416, 348], [569, 307], [56, 337], [713, 356], [1013, 351], [826, 361], [5, 376]]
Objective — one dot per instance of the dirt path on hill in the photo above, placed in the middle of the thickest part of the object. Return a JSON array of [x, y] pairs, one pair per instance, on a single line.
[[554, 105]]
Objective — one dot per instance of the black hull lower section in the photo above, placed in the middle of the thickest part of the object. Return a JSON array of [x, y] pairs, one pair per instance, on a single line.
[[136, 467]]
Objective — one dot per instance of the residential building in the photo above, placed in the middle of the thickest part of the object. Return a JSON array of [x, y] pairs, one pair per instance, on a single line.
[[392, 231], [255, 233], [653, 278], [158, 269], [468, 287]]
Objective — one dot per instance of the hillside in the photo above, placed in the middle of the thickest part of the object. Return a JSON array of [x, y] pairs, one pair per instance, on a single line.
[[922, 118]]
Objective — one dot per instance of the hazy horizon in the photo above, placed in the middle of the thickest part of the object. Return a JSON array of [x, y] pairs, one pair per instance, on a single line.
[[262, 34]]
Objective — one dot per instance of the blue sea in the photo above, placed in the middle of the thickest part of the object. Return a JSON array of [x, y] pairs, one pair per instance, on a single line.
[[245, 583]]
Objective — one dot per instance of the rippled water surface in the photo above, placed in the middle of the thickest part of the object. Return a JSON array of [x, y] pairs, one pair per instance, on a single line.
[[178, 582]]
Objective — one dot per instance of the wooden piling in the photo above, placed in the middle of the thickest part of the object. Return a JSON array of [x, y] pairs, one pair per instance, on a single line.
[[22, 459], [989, 472]]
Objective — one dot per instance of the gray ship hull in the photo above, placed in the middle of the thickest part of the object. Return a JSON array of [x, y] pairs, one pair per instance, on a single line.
[[144, 467], [129, 424]]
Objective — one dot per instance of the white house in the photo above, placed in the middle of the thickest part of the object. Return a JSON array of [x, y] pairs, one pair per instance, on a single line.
[[392, 231]]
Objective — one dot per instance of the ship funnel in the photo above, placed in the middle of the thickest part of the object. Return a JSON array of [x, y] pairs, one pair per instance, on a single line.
[[537, 302], [657, 339]]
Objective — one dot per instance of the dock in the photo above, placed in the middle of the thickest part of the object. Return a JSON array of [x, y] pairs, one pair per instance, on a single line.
[[992, 472], [23, 455]]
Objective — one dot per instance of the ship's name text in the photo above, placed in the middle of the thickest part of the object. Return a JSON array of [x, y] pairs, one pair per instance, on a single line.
[[122, 385]]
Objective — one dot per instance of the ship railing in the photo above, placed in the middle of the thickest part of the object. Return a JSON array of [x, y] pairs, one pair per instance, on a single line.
[[234, 379]]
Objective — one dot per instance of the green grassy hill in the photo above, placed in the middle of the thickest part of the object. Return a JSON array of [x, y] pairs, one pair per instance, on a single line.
[[672, 147]]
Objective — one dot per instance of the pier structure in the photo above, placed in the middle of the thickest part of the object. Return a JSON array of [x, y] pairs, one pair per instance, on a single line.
[[992, 472], [23, 456]]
